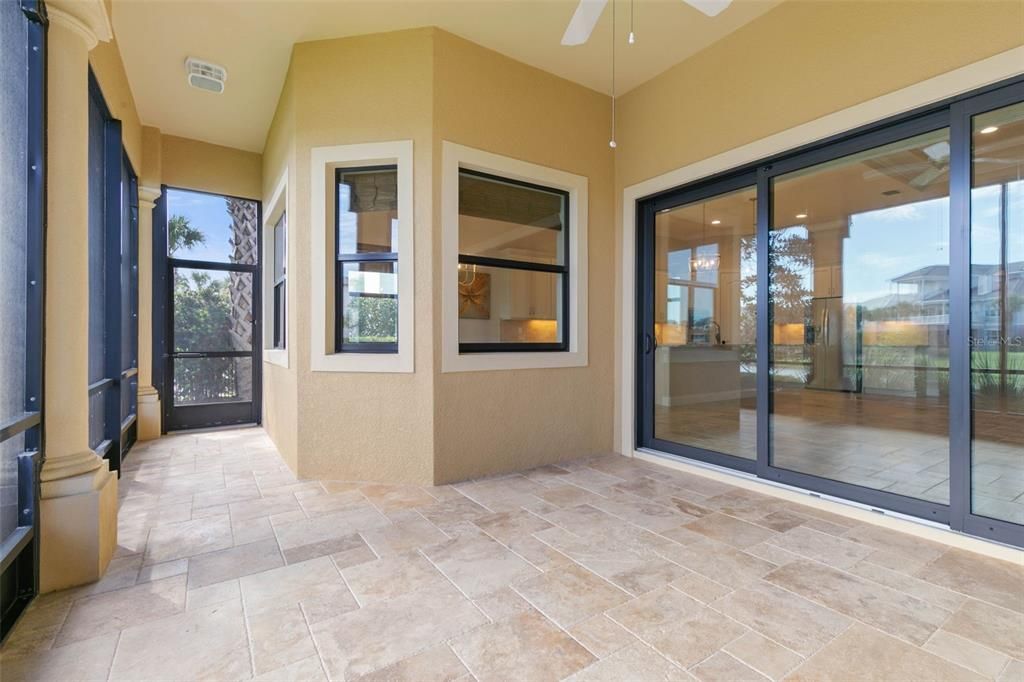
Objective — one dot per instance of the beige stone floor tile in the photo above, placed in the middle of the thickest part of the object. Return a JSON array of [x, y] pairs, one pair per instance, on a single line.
[[452, 511], [386, 632], [412, 532], [478, 565], [966, 653], [704, 590], [234, 562], [342, 545], [509, 525], [864, 654], [720, 562], [318, 502], [997, 628], [897, 551], [634, 662], [541, 555], [1013, 672], [251, 529], [279, 638], [293, 584], [207, 643], [296, 534], [772, 553], [721, 667], [438, 664], [730, 530], [894, 612], [793, 621], [263, 506], [179, 540], [307, 670], [569, 594], [915, 587], [526, 646], [167, 569], [821, 547], [354, 556], [564, 496], [601, 636], [679, 627], [114, 611], [991, 580], [228, 590], [391, 497], [654, 573], [391, 577], [649, 515], [763, 655], [501, 603], [87, 659]]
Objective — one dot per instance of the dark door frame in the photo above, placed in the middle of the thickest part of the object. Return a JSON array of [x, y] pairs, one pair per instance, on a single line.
[[954, 113], [207, 415]]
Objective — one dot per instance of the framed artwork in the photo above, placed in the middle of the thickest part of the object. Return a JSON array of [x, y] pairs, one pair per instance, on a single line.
[[474, 295]]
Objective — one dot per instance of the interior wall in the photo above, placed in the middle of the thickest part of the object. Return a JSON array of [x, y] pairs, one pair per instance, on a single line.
[[374, 88], [191, 164], [797, 63], [488, 422], [280, 384]]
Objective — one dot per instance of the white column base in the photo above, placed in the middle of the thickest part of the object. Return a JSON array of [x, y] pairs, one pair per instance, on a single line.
[[78, 531], [149, 413]]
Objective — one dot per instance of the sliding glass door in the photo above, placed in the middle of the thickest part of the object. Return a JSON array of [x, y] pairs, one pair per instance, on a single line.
[[849, 318]]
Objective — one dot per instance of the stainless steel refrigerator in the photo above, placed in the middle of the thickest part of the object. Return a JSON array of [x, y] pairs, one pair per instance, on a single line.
[[834, 337]]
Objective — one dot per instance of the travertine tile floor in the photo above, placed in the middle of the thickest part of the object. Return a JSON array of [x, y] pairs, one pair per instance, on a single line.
[[603, 569]]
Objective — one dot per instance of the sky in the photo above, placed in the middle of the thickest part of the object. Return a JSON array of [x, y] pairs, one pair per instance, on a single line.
[[208, 213]]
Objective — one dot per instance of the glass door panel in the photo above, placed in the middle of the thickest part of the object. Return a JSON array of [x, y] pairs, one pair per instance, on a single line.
[[997, 314], [705, 305], [859, 303], [212, 368]]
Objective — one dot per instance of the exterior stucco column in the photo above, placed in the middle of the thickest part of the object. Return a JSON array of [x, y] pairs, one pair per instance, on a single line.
[[149, 399], [78, 501]]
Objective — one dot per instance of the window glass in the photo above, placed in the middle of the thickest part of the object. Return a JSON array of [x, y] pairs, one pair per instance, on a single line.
[[369, 303], [280, 247], [500, 219], [859, 304], [211, 227], [512, 274], [367, 211], [997, 314]]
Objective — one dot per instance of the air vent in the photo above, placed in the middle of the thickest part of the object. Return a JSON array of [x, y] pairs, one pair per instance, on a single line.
[[205, 76]]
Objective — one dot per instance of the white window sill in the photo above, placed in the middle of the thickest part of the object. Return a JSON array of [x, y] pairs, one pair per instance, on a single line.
[[482, 362], [276, 356]]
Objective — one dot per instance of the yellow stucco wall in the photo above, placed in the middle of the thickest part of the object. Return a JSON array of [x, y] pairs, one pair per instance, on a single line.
[[280, 384], [106, 64], [364, 89], [488, 422], [191, 164]]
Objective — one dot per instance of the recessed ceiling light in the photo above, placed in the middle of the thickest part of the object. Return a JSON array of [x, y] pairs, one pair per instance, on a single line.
[[716, 222], [801, 216], [988, 129]]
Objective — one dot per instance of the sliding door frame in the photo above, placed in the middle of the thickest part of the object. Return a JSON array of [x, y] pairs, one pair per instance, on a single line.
[[954, 113]]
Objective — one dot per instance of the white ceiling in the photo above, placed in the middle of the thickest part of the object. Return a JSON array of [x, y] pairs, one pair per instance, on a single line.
[[253, 40]]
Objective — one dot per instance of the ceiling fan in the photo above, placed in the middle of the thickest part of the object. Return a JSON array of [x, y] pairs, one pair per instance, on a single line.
[[589, 11]]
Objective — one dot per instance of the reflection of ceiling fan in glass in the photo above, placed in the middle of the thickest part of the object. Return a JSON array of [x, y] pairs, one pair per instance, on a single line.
[[589, 11]]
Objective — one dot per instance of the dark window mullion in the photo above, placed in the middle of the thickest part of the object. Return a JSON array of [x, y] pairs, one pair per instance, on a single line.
[[510, 264]]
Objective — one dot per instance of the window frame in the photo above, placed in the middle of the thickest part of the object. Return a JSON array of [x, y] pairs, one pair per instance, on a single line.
[[504, 356], [343, 259], [277, 207], [529, 266], [323, 235]]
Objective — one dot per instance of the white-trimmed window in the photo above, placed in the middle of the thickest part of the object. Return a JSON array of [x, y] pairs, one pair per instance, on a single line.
[[275, 275], [514, 263], [362, 240]]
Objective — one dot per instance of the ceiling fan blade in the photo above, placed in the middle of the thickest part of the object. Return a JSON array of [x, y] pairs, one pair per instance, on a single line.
[[712, 8], [583, 21]]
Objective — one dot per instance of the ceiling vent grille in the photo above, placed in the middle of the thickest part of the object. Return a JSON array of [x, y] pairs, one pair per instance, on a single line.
[[205, 76]]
